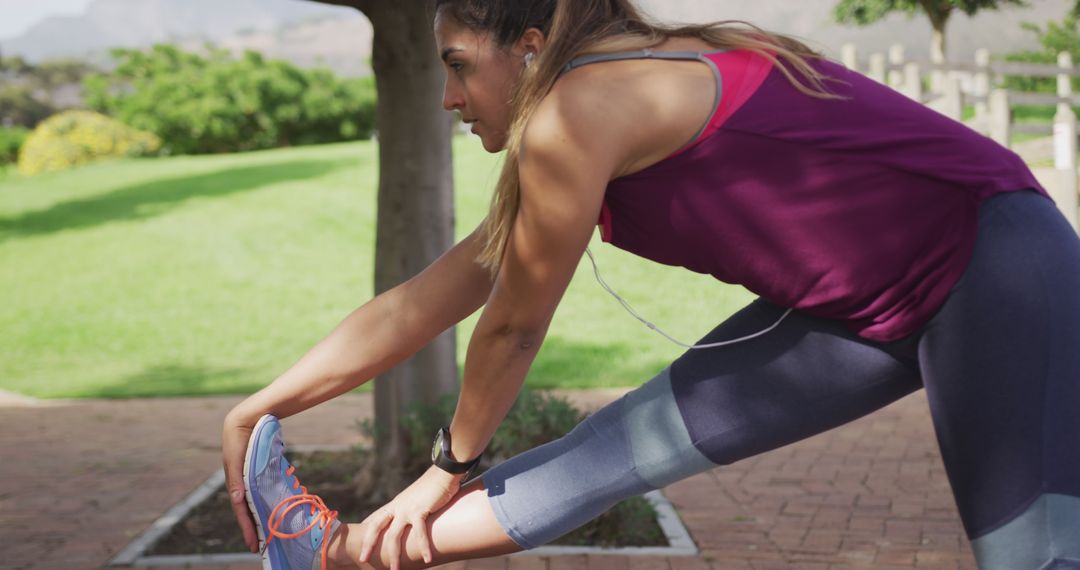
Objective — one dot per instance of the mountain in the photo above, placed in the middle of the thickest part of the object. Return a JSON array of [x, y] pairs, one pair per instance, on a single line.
[[309, 33], [233, 23], [341, 43]]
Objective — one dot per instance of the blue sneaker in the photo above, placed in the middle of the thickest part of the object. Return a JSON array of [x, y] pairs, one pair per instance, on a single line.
[[284, 511]]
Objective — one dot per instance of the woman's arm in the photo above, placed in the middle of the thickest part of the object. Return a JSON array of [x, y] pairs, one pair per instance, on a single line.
[[373, 338], [570, 152], [555, 220], [378, 335], [564, 169]]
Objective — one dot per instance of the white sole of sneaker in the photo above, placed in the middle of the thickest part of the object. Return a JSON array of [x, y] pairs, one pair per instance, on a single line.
[[265, 554]]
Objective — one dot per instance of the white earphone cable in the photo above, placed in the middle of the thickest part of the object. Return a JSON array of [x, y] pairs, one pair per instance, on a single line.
[[629, 309]]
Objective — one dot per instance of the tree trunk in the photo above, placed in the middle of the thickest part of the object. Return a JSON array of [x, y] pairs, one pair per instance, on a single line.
[[938, 12], [937, 43], [415, 212]]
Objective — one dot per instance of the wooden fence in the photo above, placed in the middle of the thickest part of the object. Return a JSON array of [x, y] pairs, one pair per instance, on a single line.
[[952, 85]]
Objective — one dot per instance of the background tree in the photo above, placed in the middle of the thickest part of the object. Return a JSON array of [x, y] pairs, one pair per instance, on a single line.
[[1054, 38], [415, 213], [213, 102], [20, 108], [29, 93], [864, 12]]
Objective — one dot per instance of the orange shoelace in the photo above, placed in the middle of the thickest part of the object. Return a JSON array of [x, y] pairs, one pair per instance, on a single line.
[[321, 515]]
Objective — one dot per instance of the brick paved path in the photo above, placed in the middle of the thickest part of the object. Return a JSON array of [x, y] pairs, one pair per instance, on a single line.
[[81, 479]]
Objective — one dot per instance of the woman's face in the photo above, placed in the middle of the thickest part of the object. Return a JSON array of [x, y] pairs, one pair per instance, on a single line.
[[480, 79]]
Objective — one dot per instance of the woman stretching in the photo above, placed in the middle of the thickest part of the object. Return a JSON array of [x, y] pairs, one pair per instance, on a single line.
[[891, 248]]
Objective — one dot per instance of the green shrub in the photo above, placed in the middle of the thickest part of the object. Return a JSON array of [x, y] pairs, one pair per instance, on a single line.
[[1055, 38], [19, 106], [29, 92], [534, 419], [1029, 83], [11, 139], [212, 104], [72, 138]]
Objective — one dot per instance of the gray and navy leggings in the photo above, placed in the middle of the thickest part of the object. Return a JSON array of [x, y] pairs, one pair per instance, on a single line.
[[1000, 362]]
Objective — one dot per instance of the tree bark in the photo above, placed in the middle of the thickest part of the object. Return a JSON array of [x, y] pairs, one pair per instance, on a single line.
[[415, 211], [939, 13]]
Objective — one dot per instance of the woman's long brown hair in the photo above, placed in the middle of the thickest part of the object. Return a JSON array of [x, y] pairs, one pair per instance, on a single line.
[[576, 27]]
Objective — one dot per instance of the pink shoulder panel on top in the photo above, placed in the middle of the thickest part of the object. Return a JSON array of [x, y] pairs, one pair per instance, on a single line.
[[605, 222], [741, 73]]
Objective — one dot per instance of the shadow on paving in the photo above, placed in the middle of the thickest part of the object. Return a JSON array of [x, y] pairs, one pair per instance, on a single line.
[[149, 199]]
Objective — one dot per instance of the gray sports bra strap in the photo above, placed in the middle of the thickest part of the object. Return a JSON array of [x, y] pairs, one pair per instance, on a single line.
[[646, 53], [650, 54]]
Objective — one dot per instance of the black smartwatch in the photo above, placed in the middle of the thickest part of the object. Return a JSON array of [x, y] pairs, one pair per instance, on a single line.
[[440, 456]]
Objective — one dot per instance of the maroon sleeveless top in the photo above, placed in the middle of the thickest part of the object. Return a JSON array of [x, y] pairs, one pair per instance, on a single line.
[[861, 210]]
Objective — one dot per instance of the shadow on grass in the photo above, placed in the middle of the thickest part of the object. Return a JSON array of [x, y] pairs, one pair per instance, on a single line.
[[566, 364], [171, 379], [561, 364], [149, 199]]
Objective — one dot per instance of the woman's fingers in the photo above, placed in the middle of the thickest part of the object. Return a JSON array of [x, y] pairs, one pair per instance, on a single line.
[[395, 536], [243, 516], [234, 445], [419, 526], [373, 525], [392, 541]]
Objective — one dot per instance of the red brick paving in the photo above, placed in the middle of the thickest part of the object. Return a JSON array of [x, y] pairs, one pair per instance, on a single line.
[[83, 478]]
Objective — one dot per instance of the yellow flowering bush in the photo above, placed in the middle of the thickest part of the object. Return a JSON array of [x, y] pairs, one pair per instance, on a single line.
[[73, 138]]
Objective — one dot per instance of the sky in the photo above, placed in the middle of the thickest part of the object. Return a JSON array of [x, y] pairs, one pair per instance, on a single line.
[[18, 15]]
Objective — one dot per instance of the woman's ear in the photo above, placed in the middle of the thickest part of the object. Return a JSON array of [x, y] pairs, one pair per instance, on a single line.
[[532, 41]]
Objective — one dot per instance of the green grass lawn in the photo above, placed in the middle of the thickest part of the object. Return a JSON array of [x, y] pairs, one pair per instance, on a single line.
[[1032, 114], [213, 274]]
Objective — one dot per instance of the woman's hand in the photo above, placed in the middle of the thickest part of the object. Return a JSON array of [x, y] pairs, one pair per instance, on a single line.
[[234, 441], [411, 507]]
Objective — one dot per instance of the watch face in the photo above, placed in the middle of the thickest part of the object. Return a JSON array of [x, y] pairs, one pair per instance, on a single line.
[[436, 448]]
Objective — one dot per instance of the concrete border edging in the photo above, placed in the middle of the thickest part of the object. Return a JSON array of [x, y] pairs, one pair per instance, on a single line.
[[680, 542], [132, 554]]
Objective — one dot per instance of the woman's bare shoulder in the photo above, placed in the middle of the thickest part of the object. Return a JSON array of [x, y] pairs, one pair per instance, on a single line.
[[647, 108], [588, 115]]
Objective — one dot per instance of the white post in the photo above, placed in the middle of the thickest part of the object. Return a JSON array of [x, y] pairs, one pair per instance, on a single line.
[[953, 106], [1065, 163], [1064, 79], [1000, 117], [912, 82], [1065, 144], [981, 90], [937, 76], [877, 67], [849, 56], [896, 58]]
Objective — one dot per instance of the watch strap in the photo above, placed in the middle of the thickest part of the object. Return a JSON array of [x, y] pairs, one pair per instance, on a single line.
[[446, 463]]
